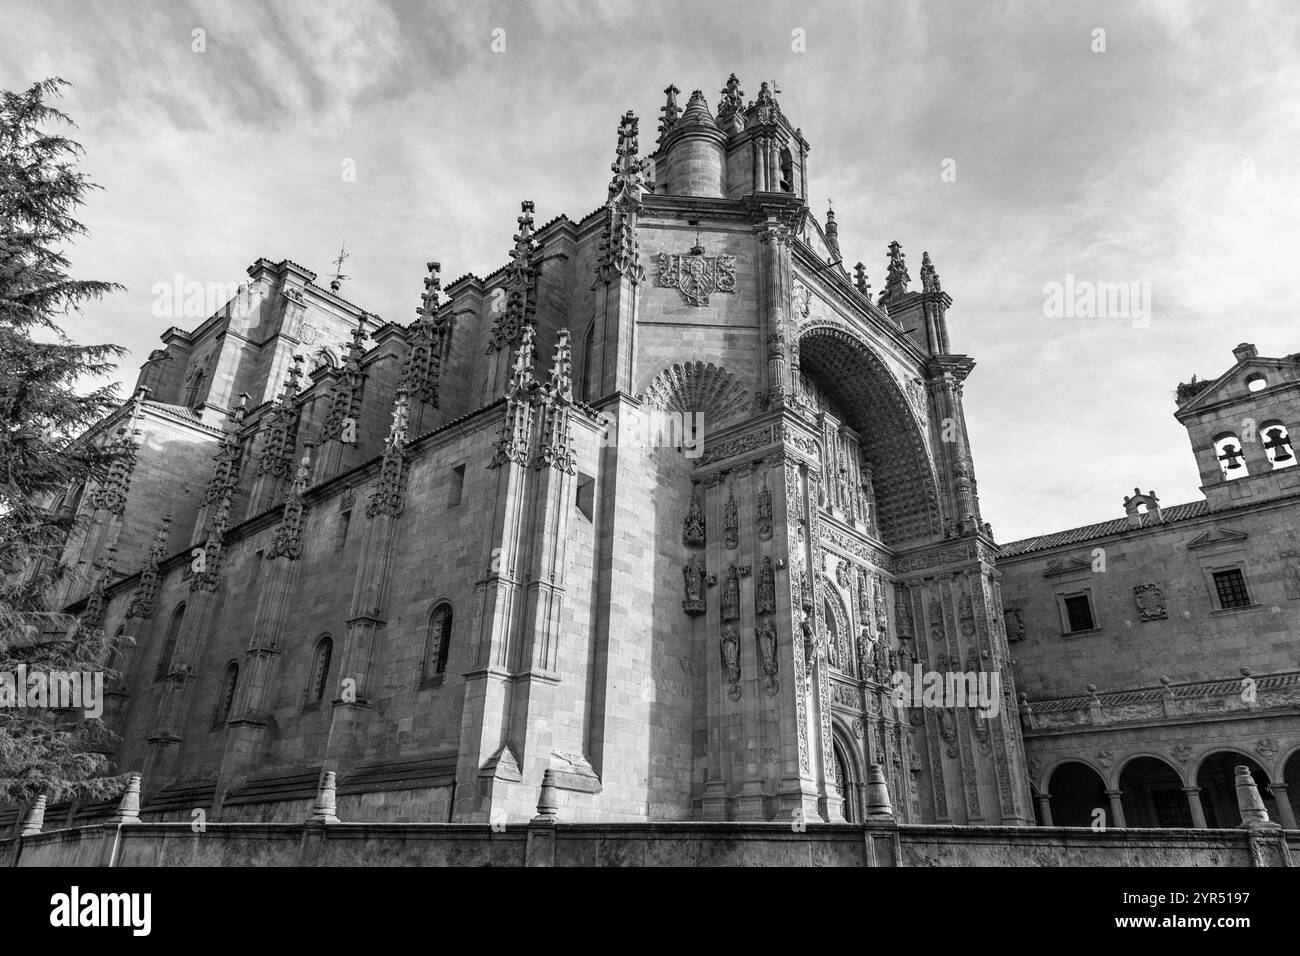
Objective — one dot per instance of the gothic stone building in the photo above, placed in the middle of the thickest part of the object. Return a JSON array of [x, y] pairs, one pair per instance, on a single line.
[[658, 507], [1157, 651]]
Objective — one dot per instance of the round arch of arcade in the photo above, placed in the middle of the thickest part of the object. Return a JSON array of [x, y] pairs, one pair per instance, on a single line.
[[846, 366], [1153, 789]]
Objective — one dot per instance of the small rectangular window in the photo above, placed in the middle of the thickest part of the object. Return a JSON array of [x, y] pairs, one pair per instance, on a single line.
[[586, 496], [1231, 587], [1078, 613], [457, 485]]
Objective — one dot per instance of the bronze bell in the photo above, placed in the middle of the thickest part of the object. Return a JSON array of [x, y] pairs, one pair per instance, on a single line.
[[1279, 442]]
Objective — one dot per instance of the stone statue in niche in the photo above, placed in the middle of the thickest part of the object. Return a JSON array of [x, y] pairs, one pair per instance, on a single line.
[[936, 622], [694, 575], [731, 596], [903, 613], [842, 573], [1015, 624], [731, 522], [764, 513], [1291, 576], [882, 613], [1150, 602], [965, 614], [731, 658], [693, 526], [765, 593], [765, 634]]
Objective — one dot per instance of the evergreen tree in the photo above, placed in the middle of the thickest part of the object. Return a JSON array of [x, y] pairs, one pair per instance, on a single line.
[[43, 414]]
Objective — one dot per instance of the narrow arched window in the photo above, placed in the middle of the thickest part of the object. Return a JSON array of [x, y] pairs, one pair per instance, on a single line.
[[1227, 450], [320, 670], [1277, 444], [438, 641], [226, 696], [589, 377], [169, 645]]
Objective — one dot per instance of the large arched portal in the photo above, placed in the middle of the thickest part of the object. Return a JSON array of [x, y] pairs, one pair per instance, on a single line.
[[875, 461], [1152, 795], [1217, 779], [1076, 792]]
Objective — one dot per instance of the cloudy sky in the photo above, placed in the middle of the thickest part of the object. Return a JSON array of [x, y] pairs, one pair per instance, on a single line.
[[1166, 159]]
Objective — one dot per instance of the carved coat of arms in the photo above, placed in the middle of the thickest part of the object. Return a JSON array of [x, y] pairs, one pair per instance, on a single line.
[[1150, 602], [697, 276]]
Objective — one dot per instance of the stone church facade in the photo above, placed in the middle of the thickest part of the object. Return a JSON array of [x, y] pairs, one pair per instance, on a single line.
[[655, 512]]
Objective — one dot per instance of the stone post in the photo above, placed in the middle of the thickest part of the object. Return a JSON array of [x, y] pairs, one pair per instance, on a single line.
[[1249, 802], [1194, 805]]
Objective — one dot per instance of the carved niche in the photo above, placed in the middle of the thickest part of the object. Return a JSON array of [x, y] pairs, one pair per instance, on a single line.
[[1150, 602], [765, 593], [1291, 575], [765, 634], [764, 513], [731, 659], [731, 596], [693, 573], [731, 522], [693, 526]]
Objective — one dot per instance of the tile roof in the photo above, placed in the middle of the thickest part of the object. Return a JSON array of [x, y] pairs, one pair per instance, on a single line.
[[1175, 513]]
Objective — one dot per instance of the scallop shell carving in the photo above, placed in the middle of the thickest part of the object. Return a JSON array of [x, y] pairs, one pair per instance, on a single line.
[[697, 387]]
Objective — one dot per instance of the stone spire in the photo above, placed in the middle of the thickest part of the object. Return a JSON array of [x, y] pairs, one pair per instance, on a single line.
[[896, 281], [556, 449], [388, 496], [110, 494], [520, 285], [345, 393], [860, 280], [733, 98], [281, 428], [92, 618], [670, 110], [516, 430], [697, 113], [929, 278], [145, 597], [619, 250], [832, 234], [424, 352], [288, 534]]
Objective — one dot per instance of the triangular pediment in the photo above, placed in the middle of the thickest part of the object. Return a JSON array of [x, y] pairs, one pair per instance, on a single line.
[[1231, 385], [1214, 537]]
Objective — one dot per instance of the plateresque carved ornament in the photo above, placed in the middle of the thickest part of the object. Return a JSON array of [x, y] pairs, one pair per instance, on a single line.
[[697, 276]]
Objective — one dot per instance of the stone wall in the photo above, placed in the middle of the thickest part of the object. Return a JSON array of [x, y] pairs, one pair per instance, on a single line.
[[670, 844]]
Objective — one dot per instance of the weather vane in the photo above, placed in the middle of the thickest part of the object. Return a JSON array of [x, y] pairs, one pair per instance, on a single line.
[[337, 281]]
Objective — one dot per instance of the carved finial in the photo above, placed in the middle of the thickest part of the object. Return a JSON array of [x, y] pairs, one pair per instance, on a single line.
[[697, 111], [561, 383], [325, 809], [832, 233], [631, 174], [521, 373], [547, 806], [35, 819], [732, 98], [670, 110], [860, 280], [929, 278], [898, 277], [432, 290]]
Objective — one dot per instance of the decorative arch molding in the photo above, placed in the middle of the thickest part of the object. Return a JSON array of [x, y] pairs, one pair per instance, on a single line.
[[1045, 778], [698, 387], [853, 787], [848, 369], [1117, 771], [847, 650], [1214, 749], [1278, 773]]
